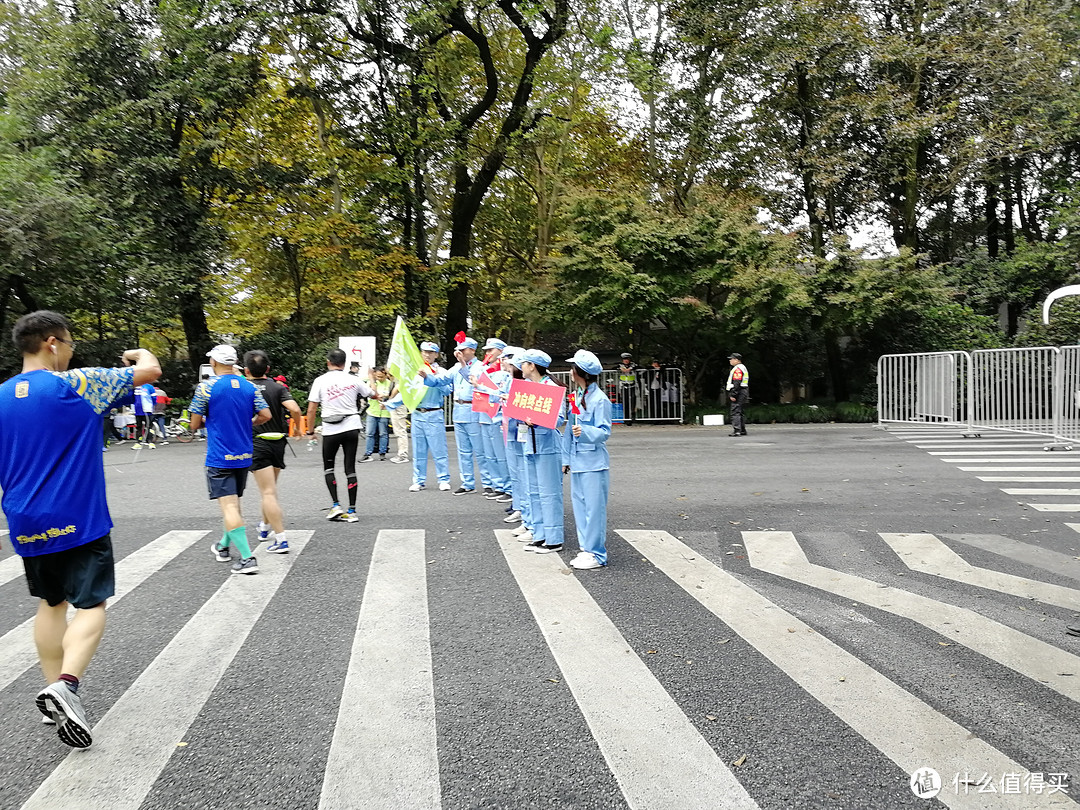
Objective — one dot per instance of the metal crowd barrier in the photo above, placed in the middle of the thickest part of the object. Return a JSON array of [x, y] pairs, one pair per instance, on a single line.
[[1034, 391], [1015, 390], [929, 387]]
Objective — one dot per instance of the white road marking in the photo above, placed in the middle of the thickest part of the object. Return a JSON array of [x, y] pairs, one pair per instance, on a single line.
[[1020, 469], [136, 737], [1035, 556], [1032, 479], [384, 751], [779, 553], [1049, 458], [17, 650], [1056, 507], [905, 729], [926, 553], [1073, 492], [657, 756]]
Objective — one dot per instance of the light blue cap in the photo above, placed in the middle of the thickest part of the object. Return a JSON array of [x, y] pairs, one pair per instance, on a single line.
[[534, 356], [428, 346], [510, 352], [586, 361], [494, 343], [467, 343]]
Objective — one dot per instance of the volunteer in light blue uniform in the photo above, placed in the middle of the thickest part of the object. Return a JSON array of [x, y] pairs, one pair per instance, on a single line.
[[543, 463], [466, 421], [429, 426], [585, 457], [514, 450], [494, 460], [230, 406], [54, 500]]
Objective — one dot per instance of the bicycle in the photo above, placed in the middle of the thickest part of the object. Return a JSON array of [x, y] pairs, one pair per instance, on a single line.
[[179, 430]]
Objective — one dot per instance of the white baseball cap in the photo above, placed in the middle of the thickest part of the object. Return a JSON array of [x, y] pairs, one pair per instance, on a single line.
[[224, 354]]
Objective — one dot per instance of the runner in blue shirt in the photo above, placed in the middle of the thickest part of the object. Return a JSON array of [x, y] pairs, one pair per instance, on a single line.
[[230, 406], [54, 500]]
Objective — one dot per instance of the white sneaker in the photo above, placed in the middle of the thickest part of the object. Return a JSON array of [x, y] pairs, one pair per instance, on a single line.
[[444, 486], [585, 561], [513, 517], [399, 460], [520, 530], [335, 513], [416, 487], [349, 517], [527, 537]]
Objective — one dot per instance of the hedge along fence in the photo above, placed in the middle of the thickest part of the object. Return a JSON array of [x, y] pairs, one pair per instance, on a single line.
[[800, 413]]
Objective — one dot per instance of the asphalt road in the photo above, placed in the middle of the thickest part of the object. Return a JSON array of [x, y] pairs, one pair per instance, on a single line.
[[480, 682]]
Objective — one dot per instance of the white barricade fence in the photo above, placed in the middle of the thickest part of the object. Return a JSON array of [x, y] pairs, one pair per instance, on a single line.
[[1067, 400], [1033, 391], [1015, 390], [927, 387]]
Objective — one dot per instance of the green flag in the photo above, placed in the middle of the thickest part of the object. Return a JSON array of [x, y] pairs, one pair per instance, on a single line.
[[404, 362]]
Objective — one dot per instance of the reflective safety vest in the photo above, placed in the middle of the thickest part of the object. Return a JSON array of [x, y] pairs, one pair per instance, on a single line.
[[627, 375], [739, 377]]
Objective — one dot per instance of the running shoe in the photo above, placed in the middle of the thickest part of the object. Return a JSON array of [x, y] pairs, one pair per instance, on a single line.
[[248, 566], [264, 533], [365, 459], [513, 517], [444, 486], [66, 709], [399, 460], [520, 530], [278, 547], [488, 491], [220, 552], [350, 517], [335, 513], [136, 446], [462, 491], [506, 497], [416, 487], [152, 446], [533, 544], [382, 456], [526, 537]]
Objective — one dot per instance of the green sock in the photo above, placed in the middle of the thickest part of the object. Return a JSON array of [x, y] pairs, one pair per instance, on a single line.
[[238, 538], [224, 541]]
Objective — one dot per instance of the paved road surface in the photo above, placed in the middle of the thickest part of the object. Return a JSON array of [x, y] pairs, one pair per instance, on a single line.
[[798, 619]]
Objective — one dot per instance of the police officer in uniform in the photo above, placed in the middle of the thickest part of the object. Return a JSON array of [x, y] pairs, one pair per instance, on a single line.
[[738, 390], [628, 387]]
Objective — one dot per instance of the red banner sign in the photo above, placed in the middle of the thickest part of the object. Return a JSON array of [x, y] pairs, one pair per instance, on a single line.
[[481, 403], [536, 401]]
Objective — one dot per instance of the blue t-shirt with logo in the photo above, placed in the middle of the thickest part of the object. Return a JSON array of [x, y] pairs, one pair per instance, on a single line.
[[228, 403], [50, 456], [144, 399]]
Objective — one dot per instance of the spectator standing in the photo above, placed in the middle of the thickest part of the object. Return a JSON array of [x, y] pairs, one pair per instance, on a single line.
[[628, 387], [161, 400], [378, 416], [144, 416], [738, 391], [53, 486]]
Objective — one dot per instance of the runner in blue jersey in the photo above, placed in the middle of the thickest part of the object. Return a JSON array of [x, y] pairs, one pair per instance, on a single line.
[[230, 406], [54, 501]]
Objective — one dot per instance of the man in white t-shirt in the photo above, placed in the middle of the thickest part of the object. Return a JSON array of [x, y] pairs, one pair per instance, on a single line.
[[338, 392]]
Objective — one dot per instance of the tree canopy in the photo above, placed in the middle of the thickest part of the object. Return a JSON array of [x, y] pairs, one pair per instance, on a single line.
[[811, 183]]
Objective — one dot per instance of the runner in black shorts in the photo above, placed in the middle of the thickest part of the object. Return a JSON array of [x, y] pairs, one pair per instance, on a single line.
[[62, 532], [270, 439]]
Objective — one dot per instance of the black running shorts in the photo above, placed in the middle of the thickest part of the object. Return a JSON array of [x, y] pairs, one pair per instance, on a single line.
[[268, 453], [83, 576]]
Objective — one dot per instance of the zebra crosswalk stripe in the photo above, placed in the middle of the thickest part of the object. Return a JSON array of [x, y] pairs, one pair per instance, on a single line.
[[926, 553], [905, 729], [17, 651], [139, 733], [383, 753], [657, 756], [779, 553]]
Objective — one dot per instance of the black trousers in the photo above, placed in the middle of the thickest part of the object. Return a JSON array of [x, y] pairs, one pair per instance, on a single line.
[[742, 395]]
